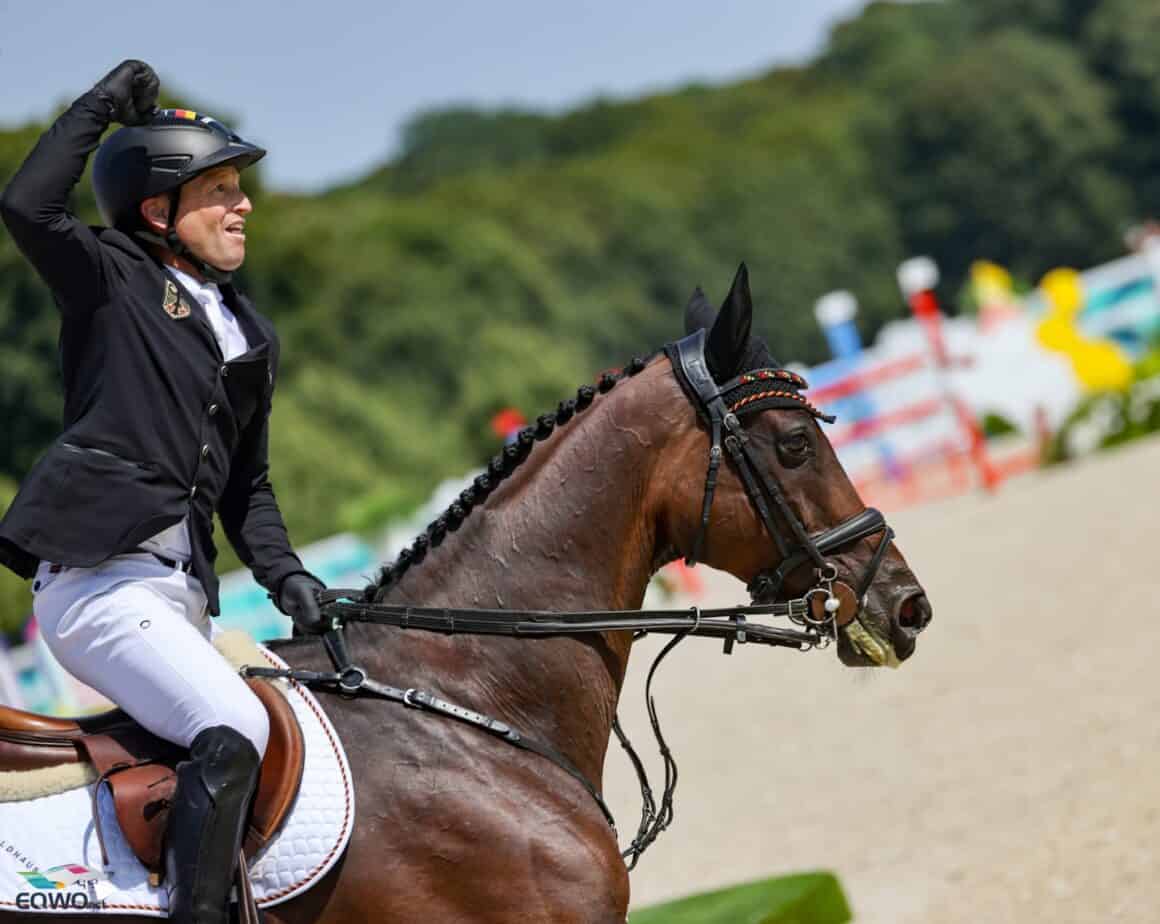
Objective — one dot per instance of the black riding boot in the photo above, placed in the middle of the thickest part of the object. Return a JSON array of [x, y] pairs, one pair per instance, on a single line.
[[206, 824]]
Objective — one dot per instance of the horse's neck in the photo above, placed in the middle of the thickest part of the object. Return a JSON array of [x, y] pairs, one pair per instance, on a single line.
[[567, 531]]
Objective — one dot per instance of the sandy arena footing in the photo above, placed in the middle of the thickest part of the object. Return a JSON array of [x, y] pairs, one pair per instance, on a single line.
[[1006, 773]]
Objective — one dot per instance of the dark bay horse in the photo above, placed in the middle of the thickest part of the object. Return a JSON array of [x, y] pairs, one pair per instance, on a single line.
[[456, 826]]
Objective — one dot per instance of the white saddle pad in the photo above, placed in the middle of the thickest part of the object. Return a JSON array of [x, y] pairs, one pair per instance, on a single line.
[[50, 860]]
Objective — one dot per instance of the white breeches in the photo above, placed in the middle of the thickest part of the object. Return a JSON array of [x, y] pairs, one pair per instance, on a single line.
[[138, 632]]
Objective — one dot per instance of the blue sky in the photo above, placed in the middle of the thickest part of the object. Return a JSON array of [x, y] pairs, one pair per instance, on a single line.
[[325, 86]]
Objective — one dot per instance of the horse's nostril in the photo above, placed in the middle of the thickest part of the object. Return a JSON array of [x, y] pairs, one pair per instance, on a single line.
[[915, 613]]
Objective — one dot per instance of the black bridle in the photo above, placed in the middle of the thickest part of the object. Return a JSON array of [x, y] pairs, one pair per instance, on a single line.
[[819, 613], [711, 400]]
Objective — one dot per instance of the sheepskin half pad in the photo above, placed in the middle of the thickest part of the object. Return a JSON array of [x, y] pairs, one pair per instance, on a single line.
[[50, 860]]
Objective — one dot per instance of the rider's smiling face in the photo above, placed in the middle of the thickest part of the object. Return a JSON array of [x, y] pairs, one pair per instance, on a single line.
[[211, 217]]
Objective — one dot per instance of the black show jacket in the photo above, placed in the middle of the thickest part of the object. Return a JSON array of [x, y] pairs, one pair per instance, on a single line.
[[157, 426]]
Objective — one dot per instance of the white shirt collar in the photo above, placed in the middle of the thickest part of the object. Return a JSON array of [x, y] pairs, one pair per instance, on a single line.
[[226, 328], [199, 289]]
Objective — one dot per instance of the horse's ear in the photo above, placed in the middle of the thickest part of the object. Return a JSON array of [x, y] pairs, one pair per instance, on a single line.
[[729, 337], [698, 312]]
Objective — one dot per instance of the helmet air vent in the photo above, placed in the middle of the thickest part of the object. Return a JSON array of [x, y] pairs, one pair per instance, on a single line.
[[169, 163]]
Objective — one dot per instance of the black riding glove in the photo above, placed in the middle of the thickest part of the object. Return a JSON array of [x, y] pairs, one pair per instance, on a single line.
[[298, 599], [130, 92]]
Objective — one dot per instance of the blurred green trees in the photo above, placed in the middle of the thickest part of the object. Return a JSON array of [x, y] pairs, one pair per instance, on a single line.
[[1024, 178], [503, 257], [15, 597], [1122, 40]]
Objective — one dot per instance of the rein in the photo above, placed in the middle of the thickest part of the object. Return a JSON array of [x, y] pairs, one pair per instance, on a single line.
[[818, 614], [730, 624]]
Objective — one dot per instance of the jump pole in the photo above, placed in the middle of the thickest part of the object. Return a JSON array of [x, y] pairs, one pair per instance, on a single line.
[[836, 314], [917, 278]]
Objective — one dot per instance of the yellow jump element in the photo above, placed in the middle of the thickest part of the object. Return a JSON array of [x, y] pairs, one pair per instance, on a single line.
[[1100, 365], [994, 294]]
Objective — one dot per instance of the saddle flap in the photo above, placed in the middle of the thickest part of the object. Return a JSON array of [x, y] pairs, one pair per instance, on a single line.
[[139, 770], [137, 767], [141, 798], [281, 772]]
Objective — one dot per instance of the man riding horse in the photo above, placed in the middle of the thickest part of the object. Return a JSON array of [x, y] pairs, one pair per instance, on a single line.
[[168, 375]]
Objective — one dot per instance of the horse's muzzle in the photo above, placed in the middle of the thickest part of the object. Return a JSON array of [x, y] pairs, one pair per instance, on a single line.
[[912, 616]]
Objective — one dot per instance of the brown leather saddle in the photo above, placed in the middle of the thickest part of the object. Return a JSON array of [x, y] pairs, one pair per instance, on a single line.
[[138, 767]]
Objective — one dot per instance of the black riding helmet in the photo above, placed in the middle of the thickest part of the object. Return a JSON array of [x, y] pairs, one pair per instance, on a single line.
[[139, 161]]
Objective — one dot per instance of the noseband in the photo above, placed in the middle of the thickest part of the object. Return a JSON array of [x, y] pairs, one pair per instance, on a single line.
[[719, 406]]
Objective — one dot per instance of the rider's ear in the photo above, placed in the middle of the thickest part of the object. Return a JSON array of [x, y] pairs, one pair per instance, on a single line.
[[155, 211], [698, 312], [728, 339]]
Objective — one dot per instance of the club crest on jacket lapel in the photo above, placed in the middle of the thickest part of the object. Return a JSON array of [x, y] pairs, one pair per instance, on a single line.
[[175, 306]]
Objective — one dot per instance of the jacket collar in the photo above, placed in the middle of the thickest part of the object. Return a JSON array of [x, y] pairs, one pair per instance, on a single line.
[[257, 336]]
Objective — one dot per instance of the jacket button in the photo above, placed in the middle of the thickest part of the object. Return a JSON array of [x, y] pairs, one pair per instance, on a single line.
[[193, 491], [212, 409], [205, 450], [225, 371]]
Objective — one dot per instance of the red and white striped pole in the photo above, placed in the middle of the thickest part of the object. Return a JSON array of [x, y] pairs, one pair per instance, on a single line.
[[917, 278]]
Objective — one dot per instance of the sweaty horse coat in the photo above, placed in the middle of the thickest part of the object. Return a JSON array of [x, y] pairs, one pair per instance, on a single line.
[[157, 426]]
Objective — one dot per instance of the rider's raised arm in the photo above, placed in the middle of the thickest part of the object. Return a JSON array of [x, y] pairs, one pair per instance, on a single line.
[[66, 253]]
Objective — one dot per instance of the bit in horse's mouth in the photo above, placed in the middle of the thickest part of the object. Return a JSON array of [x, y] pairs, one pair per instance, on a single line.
[[862, 641], [868, 643]]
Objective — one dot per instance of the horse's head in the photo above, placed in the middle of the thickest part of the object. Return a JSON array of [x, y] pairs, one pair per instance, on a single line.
[[779, 511]]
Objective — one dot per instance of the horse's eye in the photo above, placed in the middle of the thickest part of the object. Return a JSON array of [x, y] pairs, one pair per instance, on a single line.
[[796, 443]]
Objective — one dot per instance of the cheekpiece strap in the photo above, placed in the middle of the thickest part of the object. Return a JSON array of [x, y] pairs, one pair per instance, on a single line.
[[693, 373]]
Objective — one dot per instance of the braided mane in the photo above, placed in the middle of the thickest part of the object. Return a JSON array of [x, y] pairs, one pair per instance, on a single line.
[[502, 465], [752, 391]]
